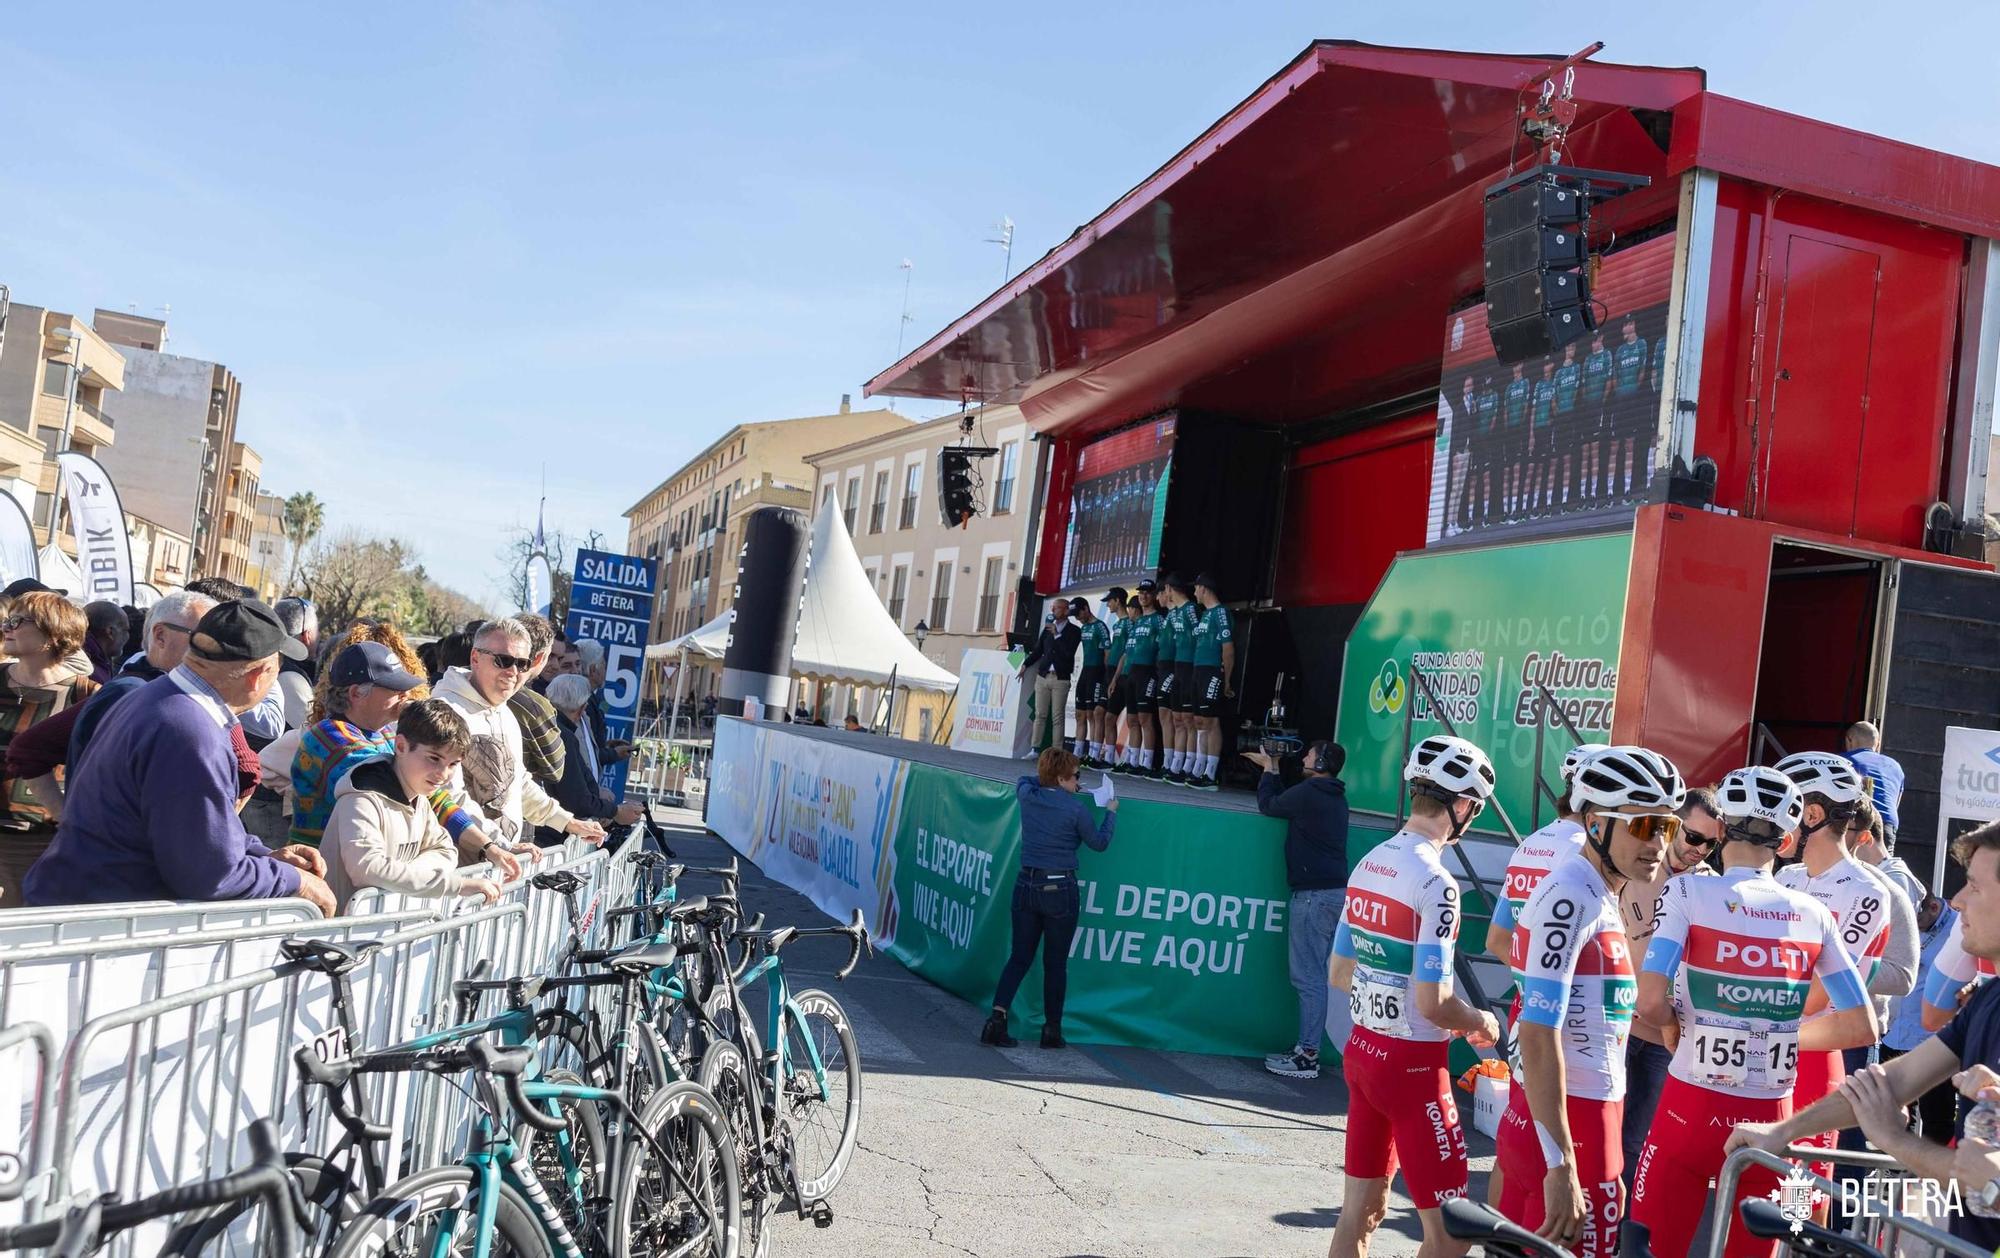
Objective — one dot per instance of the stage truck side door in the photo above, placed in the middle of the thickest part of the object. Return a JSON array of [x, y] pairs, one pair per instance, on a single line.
[[1825, 331]]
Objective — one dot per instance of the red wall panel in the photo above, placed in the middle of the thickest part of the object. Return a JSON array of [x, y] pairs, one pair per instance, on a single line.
[[1351, 503], [1859, 311]]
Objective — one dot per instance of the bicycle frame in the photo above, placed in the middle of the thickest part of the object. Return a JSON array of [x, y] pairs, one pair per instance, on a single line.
[[780, 1013]]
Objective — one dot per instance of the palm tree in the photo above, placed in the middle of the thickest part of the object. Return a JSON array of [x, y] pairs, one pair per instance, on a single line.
[[305, 516]]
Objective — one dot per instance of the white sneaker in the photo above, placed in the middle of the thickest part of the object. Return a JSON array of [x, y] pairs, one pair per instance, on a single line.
[[1297, 1064]]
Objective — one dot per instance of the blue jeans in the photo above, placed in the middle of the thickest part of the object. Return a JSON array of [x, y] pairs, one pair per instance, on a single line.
[[1645, 1075], [1315, 917]]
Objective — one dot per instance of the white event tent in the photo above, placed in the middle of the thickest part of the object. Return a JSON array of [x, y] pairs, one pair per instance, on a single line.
[[845, 633]]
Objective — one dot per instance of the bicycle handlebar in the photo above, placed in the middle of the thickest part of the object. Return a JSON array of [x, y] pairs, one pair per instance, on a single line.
[[506, 1065]]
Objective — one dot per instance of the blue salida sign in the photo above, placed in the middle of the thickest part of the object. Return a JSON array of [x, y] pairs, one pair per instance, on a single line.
[[611, 603]]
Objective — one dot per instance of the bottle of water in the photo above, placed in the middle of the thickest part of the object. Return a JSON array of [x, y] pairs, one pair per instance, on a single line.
[[1983, 1123]]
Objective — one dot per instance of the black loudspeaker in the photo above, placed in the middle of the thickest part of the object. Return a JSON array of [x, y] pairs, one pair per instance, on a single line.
[[1028, 607], [955, 497], [1537, 290]]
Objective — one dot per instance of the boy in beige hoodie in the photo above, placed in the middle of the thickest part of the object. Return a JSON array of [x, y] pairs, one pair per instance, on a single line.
[[384, 832]]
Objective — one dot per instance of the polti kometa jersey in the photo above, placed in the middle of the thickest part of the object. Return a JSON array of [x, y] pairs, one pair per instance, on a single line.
[[1953, 969], [1400, 927], [1540, 852], [1858, 898], [1574, 966], [1742, 952]]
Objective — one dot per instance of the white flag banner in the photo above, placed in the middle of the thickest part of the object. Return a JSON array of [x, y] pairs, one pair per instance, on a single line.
[[17, 542], [103, 551], [541, 585]]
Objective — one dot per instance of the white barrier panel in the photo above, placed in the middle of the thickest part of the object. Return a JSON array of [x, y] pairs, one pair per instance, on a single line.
[[88, 923]]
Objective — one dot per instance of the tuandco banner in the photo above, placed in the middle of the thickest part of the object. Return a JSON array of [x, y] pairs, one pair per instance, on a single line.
[[991, 714], [1969, 792], [103, 551]]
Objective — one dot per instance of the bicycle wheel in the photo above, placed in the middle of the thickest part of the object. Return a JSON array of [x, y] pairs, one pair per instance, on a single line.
[[330, 1202], [729, 1023], [677, 1192], [726, 1074], [570, 1165], [432, 1213], [825, 1106]]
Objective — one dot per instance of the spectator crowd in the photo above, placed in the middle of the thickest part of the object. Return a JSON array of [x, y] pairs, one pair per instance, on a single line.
[[214, 748]]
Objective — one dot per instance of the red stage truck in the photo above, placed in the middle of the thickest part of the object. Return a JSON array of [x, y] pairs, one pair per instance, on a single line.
[[1416, 531]]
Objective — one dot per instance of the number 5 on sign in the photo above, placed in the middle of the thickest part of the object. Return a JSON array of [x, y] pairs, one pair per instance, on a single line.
[[621, 677]]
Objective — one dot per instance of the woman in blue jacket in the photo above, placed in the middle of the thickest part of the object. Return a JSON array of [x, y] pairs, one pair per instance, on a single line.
[[1055, 822]]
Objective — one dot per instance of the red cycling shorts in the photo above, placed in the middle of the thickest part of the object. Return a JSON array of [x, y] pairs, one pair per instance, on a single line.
[[1676, 1174], [1596, 1131], [1820, 1073], [1400, 1109]]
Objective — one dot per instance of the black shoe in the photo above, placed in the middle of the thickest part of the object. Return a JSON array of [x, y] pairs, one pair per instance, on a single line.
[[1175, 776], [1206, 784], [1052, 1037], [995, 1032], [1157, 773]]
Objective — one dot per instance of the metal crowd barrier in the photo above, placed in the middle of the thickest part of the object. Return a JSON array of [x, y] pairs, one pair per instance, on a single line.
[[652, 777], [83, 923], [24, 1153], [1877, 1225]]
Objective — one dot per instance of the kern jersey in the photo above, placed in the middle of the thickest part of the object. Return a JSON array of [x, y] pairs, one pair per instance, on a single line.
[[1631, 360], [1211, 630], [1742, 952], [1574, 967], [1144, 643], [1858, 898], [1168, 636], [1400, 927], [1114, 649], [1096, 636], [1540, 852], [1953, 969]]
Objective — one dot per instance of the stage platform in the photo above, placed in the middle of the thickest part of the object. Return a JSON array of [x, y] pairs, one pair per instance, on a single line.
[[994, 768]]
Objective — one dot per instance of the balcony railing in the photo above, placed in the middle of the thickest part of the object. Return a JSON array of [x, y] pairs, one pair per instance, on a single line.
[[908, 519], [97, 414], [875, 516]]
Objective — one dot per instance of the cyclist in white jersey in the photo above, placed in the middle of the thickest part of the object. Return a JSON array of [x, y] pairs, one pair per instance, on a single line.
[[1726, 977], [1953, 972], [1536, 855], [1861, 901], [1392, 954], [1559, 1142]]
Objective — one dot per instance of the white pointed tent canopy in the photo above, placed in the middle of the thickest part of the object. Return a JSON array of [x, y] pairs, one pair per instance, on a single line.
[[845, 633], [59, 572]]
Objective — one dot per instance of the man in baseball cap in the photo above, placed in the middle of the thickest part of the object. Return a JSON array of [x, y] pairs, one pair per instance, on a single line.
[[372, 664], [151, 809]]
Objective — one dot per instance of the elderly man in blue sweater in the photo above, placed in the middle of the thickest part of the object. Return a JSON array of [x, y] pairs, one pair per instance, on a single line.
[[151, 812]]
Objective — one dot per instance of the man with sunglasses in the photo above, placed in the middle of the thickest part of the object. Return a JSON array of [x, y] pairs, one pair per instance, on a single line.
[[1726, 977], [504, 800], [1560, 1147], [1862, 903], [1646, 1053], [1392, 955]]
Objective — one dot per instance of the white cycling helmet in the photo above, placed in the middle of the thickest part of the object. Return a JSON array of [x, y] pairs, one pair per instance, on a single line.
[[1577, 755], [1618, 778], [1451, 767], [1823, 773], [1761, 794]]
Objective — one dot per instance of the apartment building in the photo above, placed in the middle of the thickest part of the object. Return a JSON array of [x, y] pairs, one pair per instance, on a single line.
[[179, 458], [160, 556], [55, 371], [691, 522], [950, 589], [269, 547]]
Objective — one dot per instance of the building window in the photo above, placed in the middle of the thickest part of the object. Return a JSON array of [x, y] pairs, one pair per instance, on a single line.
[[989, 594], [45, 510], [853, 501], [1003, 485], [878, 511], [940, 596], [899, 589], [55, 378], [825, 496], [51, 438], [874, 582], [913, 483]]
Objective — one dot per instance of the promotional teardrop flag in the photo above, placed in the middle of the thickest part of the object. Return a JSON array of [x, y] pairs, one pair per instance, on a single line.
[[103, 551]]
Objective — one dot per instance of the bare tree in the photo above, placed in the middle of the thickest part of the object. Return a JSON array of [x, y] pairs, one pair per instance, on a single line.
[[514, 556], [353, 575]]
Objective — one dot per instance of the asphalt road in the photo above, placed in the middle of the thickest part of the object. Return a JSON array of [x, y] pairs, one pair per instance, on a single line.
[[1000, 1153]]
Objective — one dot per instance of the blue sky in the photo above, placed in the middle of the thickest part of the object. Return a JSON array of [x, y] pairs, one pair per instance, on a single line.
[[444, 244]]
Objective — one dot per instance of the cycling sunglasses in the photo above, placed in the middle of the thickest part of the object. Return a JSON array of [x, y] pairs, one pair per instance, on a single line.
[[1651, 827], [505, 661]]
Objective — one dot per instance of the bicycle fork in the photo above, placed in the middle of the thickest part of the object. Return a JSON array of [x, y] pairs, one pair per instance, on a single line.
[[531, 1187]]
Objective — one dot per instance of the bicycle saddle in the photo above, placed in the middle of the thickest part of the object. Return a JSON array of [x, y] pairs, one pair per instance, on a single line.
[[560, 881], [648, 956]]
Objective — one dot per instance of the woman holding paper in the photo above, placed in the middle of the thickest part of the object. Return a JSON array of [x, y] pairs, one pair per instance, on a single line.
[[1055, 822]]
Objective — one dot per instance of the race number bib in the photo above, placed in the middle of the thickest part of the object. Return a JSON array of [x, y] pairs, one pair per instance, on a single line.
[[1380, 1004], [1735, 1056]]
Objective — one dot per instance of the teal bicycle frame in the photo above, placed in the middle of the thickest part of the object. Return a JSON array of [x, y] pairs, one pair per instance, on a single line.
[[781, 1011]]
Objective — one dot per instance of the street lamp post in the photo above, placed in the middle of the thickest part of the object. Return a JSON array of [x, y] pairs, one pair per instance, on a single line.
[[69, 426]]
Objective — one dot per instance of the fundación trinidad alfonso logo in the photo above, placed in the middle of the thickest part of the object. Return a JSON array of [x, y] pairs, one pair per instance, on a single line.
[[1795, 1196], [1388, 691]]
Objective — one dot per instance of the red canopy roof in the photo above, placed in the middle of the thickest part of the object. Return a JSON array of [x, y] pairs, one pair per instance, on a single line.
[[1333, 219]]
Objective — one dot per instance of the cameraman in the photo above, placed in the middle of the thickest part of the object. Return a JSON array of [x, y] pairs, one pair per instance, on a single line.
[[1316, 870]]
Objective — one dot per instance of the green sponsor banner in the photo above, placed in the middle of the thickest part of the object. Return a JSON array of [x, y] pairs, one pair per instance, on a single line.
[[1773, 1000], [1181, 943], [1484, 626]]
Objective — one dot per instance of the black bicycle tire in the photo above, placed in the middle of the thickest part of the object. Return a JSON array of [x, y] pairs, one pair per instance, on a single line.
[[821, 1186], [513, 1222], [720, 1058], [677, 1100], [318, 1181], [586, 1127]]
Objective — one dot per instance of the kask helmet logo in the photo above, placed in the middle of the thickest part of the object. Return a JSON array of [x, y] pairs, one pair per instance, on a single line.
[[1388, 691]]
